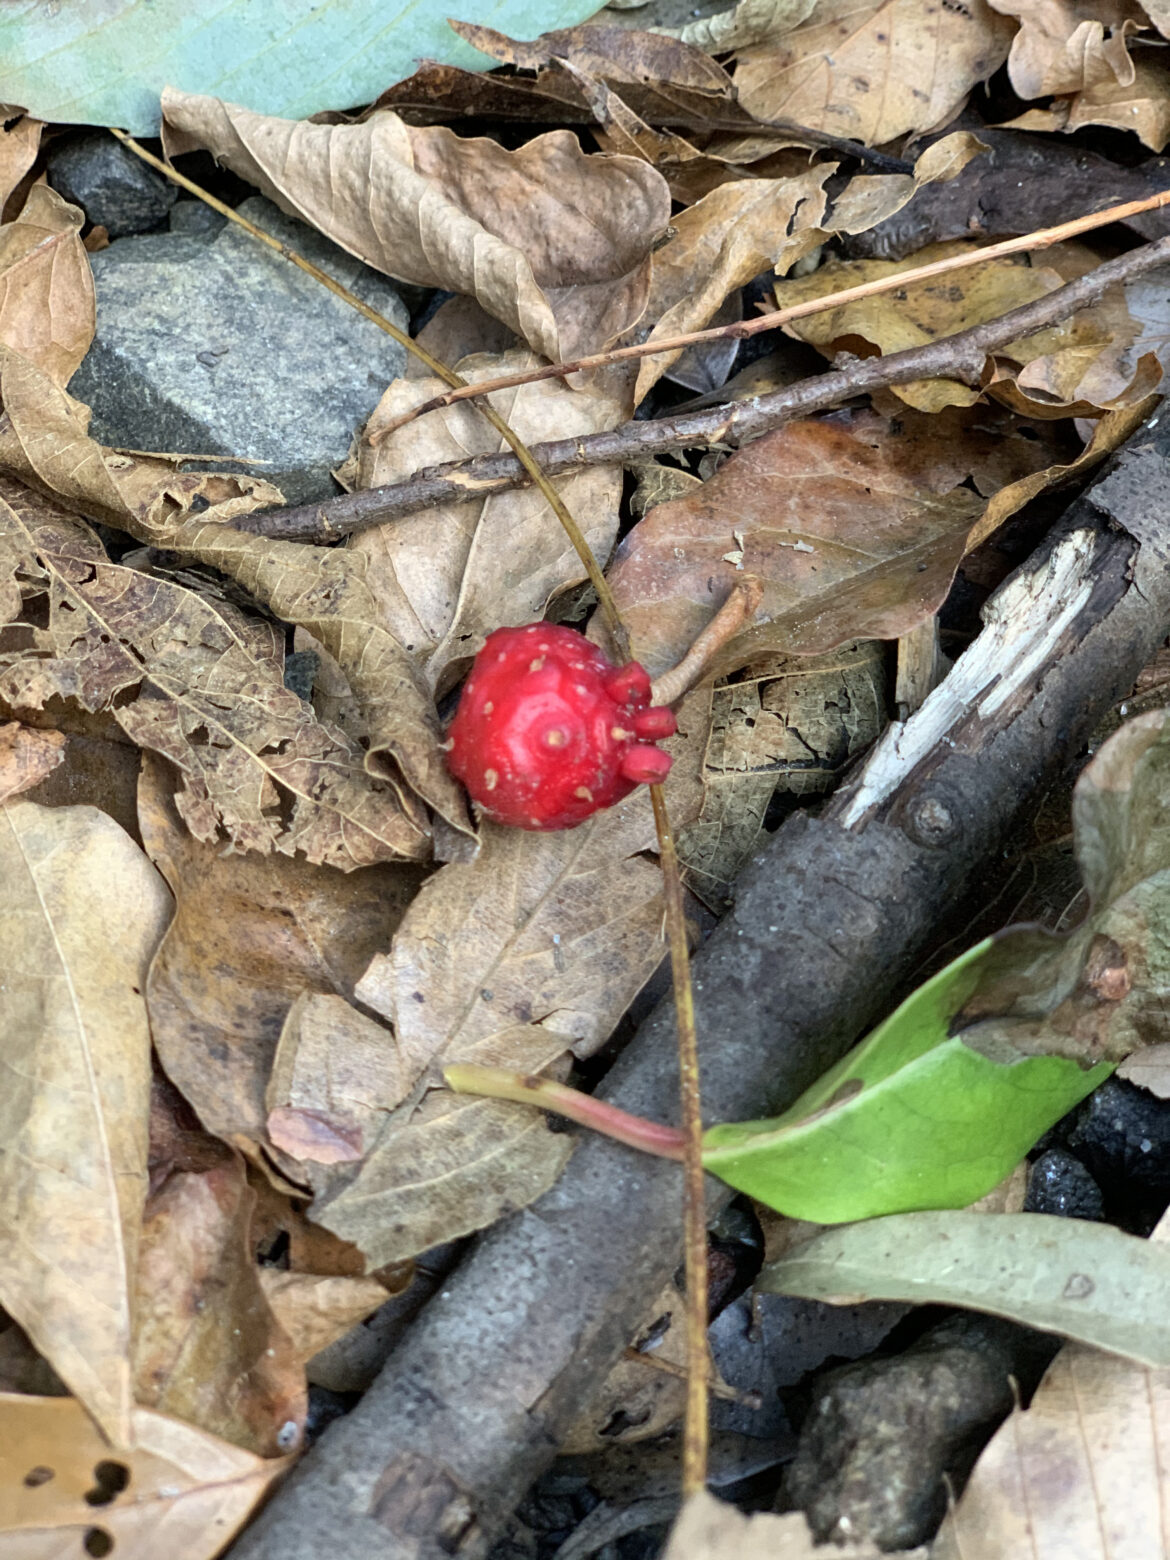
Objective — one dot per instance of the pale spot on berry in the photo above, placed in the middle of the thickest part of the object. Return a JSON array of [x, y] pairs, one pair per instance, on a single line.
[[555, 738], [488, 707], [583, 793], [620, 735], [535, 666], [491, 779]]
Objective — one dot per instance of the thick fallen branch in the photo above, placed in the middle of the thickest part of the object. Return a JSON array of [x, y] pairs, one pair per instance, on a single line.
[[962, 356], [829, 923]]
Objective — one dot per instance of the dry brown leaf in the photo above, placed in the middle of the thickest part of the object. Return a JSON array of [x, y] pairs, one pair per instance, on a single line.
[[1073, 369], [855, 523], [1149, 1068], [246, 746], [249, 934], [439, 576], [327, 592], [1066, 46], [710, 1529], [314, 1310], [1080, 1475], [181, 1492], [751, 21], [1142, 106], [551, 240], [20, 141], [44, 443], [27, 756], [47, 305], [281, 1233], [335, 1074], [208, 1348], [75, 1098], [876, 70], [787, 727], [534, 949]]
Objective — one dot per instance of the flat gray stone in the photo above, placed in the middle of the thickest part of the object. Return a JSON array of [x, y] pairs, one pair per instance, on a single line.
[[211, 344], [113, 187]]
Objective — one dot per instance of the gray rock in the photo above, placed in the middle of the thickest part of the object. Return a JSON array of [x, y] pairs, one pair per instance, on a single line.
[[195, 219], [214, 345], [113, 187], [882, 1434]]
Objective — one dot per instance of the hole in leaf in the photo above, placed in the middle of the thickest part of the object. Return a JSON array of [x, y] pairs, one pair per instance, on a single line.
[[39, 1475], [110, 1479], [97, 1542]]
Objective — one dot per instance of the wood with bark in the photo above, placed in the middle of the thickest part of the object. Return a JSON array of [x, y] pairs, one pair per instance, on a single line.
[[830, 921], [961, 356]]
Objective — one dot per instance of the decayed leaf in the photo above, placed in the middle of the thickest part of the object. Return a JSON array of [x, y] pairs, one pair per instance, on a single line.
[[1071, 369], [741, 228], [20, 140], [1069, 1276], [786, 727], [314, 1309], [438, 576], [82, 913], [208, 1348], [1064, 46], [552, 241], [47, 308], [1142, 106], [534, 949], [1149, 1068], [43, 443], [854, 523], [1100, 991], [327, 593], [874, 71], [249, 934], [204, 700], [27, 756], [180, 1492]]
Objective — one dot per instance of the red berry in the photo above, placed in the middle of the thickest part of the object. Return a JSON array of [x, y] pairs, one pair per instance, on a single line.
[[548, 732]]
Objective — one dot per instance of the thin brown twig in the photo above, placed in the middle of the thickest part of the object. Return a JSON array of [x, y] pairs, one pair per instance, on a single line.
[[961, 356], [733, 615], [695, 1431], [448, 375], [738, 330]]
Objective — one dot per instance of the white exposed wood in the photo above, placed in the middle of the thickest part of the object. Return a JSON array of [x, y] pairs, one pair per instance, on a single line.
[[1023, 623]]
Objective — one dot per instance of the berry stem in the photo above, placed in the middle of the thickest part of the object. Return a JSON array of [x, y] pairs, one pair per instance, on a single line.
[[634, 1131]]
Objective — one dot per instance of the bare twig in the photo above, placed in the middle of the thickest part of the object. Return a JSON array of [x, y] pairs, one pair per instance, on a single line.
[[448, 375], [961, 356], [738, 330], [735, 613]]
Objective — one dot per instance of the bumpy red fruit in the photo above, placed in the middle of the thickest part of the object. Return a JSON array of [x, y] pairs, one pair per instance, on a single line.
[[548, 731]]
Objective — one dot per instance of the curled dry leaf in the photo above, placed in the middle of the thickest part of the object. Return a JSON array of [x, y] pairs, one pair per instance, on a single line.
[[439, 577], [326, 592], [742, 227], [47, 306], [316, 1309], [549, 239], [208, 1348], [245, 745], [1079, 1475], [876, 70], [1143, 105], [855, 524], [20, 139], [75, 1098], [533, 950], [179, 1492], [249, 934], [27, 756], [1078, 368], [1061, 49], [749, 22]]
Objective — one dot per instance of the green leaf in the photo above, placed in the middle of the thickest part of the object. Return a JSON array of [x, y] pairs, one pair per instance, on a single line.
[[911, 1118], [106, 63], [1085, 1281]]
